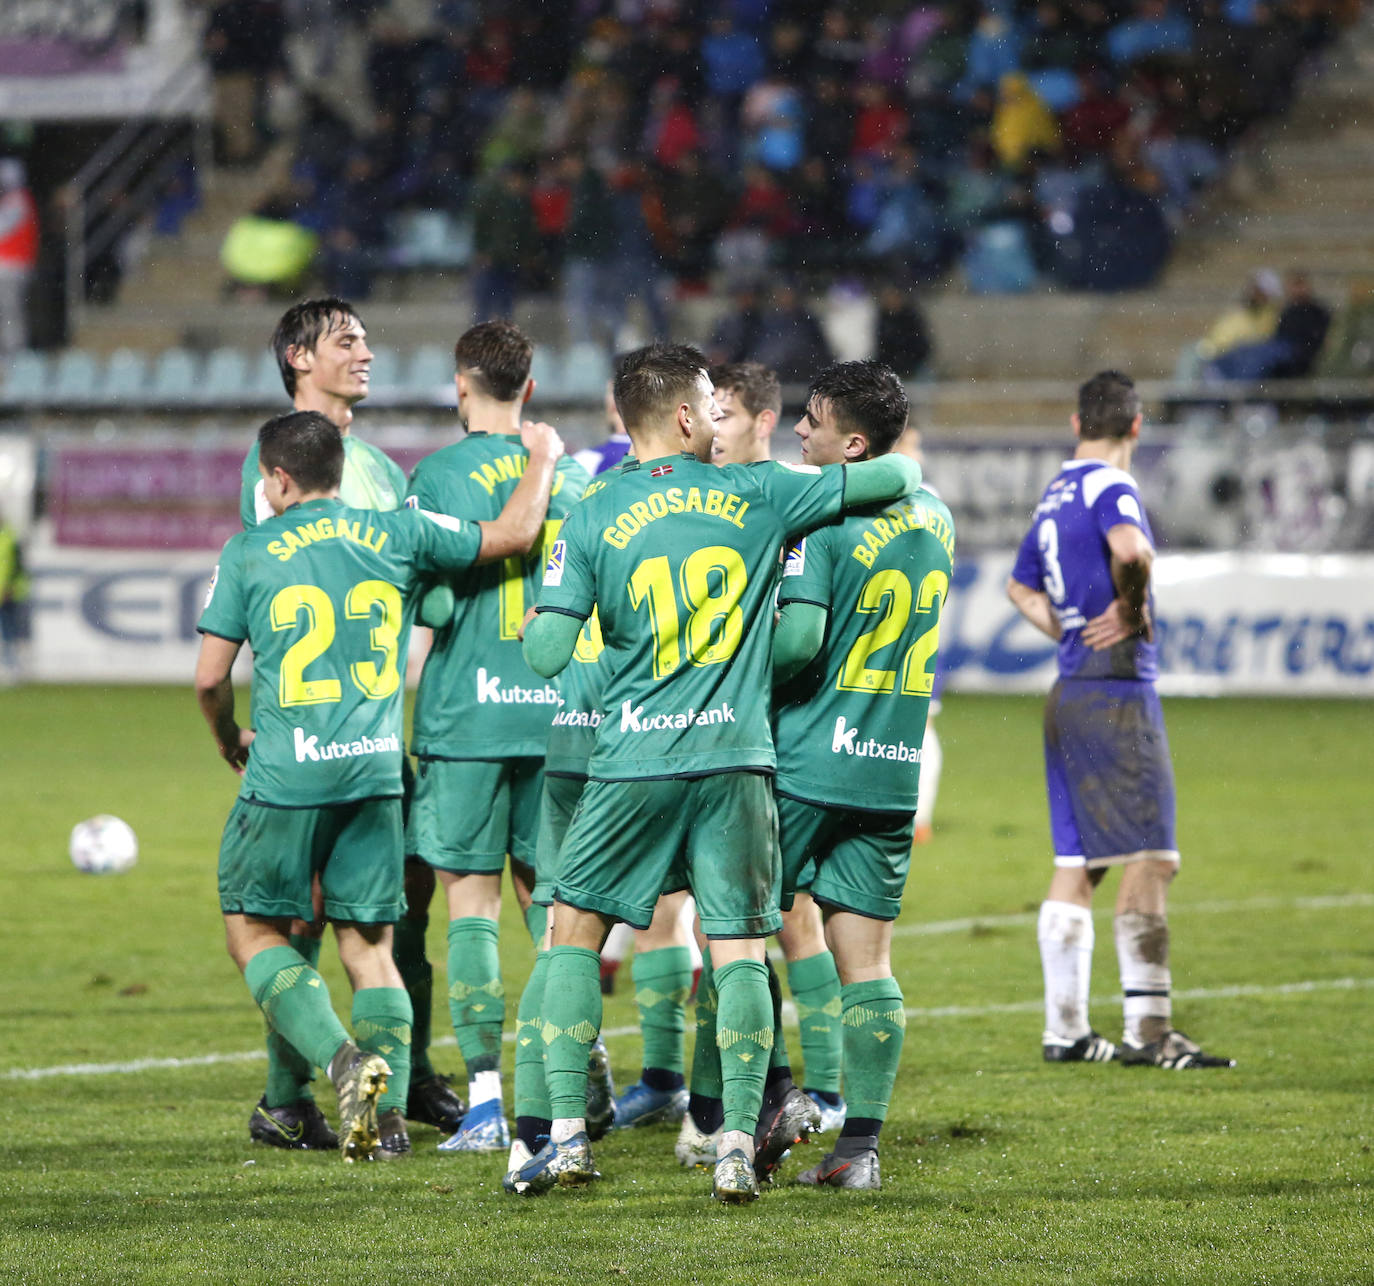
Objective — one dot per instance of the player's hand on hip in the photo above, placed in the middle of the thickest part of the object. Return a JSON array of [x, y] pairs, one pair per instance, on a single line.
[[235, 752], [1113, 626], [541, 439]]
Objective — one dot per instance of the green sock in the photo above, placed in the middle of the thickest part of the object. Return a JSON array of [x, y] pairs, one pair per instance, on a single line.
[[815, 986], [744, 1035], [874, 1024], [537, 921], [572, 1018], [381, 1025], [705, 1055], [288, 1073], [408, 950], [476, 998], [777, 1056], [531, 1093], [296, 1002], [663, 981]]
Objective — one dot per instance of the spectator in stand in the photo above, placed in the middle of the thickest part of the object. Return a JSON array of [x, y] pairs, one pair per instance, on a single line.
[[671, 128], [1122, 229], [518, 135], [903, 341], [504, 242], [732, 60], [829, 121], [18, 254], [740, 327], [790, 341], [1293, 350], [696, 203], [879, 124], [908, 233], [1151, 32], [589, 249], [763, 219], [838, 52], [637, 267], [994, 51], [772, 122], [1091, 125], [1251, 320], [1021, 123], [245, 41]]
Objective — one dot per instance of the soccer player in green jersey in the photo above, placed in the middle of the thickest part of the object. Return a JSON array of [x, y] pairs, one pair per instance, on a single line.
[[855, 652], [324, 594], [679, 560], [325, 362], [750, 398], [482, 715]]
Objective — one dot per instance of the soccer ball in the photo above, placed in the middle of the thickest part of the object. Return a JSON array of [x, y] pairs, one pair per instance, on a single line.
[[103, 845]]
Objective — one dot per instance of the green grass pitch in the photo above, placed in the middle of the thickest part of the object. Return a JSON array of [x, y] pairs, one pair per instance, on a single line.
[[997, 1168]]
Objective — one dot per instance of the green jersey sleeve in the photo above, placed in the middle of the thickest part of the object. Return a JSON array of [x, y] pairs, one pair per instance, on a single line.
[[444, 543], [225, 612], [804, 496], [806, 570], [569, 584]]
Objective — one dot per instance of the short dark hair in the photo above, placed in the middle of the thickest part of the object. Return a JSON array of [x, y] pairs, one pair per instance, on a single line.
[[303, 325], [653, 380], [865, 397], [1107, 406], [305, 445], [753, 383], [496, 356]]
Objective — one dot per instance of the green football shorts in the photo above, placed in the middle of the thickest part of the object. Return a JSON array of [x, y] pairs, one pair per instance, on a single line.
[[268, 856], [631, 841], [467, 814], [845, 857], [557, 804]]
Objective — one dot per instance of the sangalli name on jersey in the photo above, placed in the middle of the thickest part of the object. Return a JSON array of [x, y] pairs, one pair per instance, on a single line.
[[675, 500], [311, 533], [908, 517]]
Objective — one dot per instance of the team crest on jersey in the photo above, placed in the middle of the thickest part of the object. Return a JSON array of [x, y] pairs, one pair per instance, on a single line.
[[795, 563], [553, 569]]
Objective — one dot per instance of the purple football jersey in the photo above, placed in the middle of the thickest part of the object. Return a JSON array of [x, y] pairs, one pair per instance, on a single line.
[[1065, 554]]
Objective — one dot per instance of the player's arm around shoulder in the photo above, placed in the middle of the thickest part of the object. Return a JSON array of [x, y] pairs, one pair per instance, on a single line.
[[516, 529], [889, 477]]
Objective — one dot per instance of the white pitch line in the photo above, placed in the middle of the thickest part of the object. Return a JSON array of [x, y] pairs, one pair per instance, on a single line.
[[942, 1011], [1333, 902]]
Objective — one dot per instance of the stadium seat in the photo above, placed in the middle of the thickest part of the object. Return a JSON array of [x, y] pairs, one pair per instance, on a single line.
[[998, 260], [175, 376], [262, 385], [26, 377], [126, 377], [75, 376], [547, 369], [226, 376], [431, 371], [430, 239], [586, 368], [386, 372]]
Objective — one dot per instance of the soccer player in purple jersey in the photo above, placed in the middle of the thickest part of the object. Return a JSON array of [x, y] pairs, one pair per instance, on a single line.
[[1082, 576]]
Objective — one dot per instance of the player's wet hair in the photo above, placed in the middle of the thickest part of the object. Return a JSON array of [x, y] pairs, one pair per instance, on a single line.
[[307, 446], [496, 356], [302, 326], [864, 397], [1107, 406], [753, 383], [654, 380]]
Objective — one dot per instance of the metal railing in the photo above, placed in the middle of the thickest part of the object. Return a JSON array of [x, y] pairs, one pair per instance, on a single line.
[[129, 173]]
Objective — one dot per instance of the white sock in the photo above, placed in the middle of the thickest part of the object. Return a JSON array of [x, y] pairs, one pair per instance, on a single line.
[[1142, 952], [1065, 933], [563, 1130], [928, 785], [484, 1087], [732, 1139]]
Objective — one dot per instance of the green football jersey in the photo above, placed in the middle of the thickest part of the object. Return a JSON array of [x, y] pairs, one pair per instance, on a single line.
[[849, 726], [478, 699], [371, 480], [325, 596], [581, 686], [679, 559]]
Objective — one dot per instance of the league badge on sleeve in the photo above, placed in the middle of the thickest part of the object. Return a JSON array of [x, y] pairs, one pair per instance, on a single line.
[[553, 569], [210, 588], [795, 562]]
